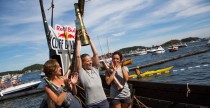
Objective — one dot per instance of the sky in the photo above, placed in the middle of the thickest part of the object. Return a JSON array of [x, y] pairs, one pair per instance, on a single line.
[[124, 23]]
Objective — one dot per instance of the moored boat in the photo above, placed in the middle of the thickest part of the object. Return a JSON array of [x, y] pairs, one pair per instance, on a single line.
[[42, 74], [20, 87], [129, 54], [173, 48], [158, 50], [140, 52], [181, 45]]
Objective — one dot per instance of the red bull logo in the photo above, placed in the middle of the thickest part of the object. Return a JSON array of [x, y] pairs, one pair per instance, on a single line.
[[65, 32], [66, 35]]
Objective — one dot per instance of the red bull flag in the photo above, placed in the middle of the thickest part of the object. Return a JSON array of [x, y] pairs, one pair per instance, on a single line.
[[63, 38], [62, 41]]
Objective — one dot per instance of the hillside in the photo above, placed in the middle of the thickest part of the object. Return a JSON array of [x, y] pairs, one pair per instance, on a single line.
[[33, 67], [126, 50], [190, 39], [171, 42], [185, 40], [168, 43]]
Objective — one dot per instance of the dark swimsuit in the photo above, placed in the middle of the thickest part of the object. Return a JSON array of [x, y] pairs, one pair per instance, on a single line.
[[71, 100]]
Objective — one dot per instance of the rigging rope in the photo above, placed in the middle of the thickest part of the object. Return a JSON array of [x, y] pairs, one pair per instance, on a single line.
[[188, 91], [81, 95], [140, 104]]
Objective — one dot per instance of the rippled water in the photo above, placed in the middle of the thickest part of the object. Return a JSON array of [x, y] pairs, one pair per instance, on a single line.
[[193, 70]]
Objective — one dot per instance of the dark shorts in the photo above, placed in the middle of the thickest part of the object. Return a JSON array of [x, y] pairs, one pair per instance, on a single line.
[[102, 104], [122, 101]]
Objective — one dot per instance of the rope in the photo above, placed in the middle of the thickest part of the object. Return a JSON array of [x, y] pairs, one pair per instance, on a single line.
[[80, 87], [139, 102], [81, 95], [188, 90], [80, 101]]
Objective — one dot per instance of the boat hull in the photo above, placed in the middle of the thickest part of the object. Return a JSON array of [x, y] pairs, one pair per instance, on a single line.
[[166, 95], [159, 52], [19, 88]]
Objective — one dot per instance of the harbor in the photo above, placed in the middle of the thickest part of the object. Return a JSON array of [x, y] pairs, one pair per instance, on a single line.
[[186, 71], [164, 44]]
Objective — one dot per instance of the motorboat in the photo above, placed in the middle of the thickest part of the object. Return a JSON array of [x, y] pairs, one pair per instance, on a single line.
[[181, 45], [20, 87], [159, 50], [140, 52], [129, 54], [173, 48], [42, 74]]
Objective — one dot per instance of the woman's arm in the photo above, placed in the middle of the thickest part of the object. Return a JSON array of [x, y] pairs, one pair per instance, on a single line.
[[57, 99], [125, 73], [78, 48], [95, 53], [109, 77]]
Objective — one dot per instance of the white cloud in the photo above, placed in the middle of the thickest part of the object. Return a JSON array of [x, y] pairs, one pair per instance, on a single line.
[[194, 11], [106, 18], [118, 34]]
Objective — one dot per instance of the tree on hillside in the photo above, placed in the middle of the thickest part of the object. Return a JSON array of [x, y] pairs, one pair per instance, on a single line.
[[33, 67], [171, 42]]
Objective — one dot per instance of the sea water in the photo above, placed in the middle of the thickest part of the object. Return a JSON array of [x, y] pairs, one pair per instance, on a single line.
[[192, 70]]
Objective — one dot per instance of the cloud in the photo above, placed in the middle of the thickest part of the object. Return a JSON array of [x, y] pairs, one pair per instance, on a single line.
[[118, 34], [195, 10], [104, 18], [17, 56]]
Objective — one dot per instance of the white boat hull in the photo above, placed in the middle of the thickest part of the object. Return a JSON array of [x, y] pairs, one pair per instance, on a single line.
[[20, 87], [159, 52]]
